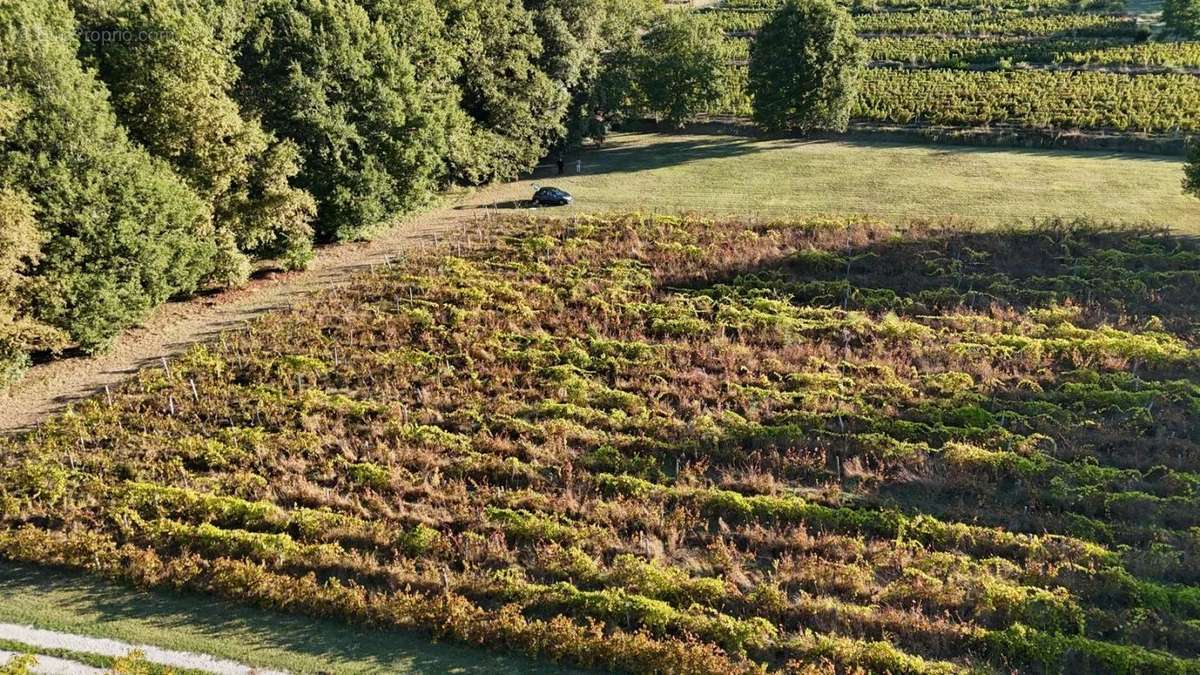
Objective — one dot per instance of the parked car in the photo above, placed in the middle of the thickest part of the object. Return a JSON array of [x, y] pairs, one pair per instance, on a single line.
[[551, 196]]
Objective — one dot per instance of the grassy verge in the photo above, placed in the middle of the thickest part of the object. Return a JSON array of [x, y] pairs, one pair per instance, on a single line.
[[93, 660], [772, 178], [76, 604]]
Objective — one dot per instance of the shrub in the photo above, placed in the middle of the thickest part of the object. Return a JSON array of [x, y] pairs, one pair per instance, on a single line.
[[19, 664], [1191, 170]]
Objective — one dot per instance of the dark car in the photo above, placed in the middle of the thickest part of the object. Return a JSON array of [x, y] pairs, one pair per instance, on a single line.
[[551, 196]]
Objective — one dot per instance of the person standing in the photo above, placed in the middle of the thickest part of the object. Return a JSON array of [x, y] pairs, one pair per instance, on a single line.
[[562, 165], [579, 166]]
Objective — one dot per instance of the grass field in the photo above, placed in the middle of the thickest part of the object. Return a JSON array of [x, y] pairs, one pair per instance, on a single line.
[[81, 605], [772, 178]]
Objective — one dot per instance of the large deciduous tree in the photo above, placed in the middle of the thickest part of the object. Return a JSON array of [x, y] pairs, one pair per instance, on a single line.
[[516, 110], [1182, 17], [20, 244], [171, 88], [20, 247], [683, 67], [121, 231], [419, 30], [589, 46], [805, 66], [326, 76]]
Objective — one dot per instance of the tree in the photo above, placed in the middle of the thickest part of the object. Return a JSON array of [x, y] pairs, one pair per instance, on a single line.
[[1182, 17], [324, 75], [20, 248], [418, 28], [171, 88], [516, 110], [570, 32], [588, 46], [122, 233], [20, 244], [683, 67], [805, 66]]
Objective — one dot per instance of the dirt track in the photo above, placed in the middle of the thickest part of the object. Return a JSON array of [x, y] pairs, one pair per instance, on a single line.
[[172, 328]]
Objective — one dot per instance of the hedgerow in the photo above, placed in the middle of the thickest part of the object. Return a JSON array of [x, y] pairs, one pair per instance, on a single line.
[[117, 232]]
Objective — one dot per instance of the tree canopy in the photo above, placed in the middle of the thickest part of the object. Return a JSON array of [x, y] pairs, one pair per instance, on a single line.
[[323, 75], [154, 147], [515, 109], [1182, 17], [682, 67], [805, 66], [121, 231], [172, 91]]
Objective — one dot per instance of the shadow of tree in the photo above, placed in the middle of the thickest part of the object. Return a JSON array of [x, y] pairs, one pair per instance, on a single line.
[[1121, 276], [665, 150], [1131, 414], [875, 139], [510, 205]]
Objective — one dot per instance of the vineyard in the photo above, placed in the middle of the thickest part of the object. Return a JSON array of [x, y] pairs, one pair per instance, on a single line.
[[1056, 65], [681, 445]]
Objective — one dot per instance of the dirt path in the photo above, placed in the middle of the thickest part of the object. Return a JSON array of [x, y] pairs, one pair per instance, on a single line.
[[48, 639], [172, 328]]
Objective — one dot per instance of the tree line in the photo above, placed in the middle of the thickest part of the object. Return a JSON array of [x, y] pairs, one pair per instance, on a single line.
[[152, 148]]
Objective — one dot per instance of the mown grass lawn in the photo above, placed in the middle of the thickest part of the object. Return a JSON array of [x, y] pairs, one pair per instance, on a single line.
[[732, 175]]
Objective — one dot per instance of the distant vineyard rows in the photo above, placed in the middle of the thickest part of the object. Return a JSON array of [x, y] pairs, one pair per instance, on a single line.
[[1046, 65], [945, 52]]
